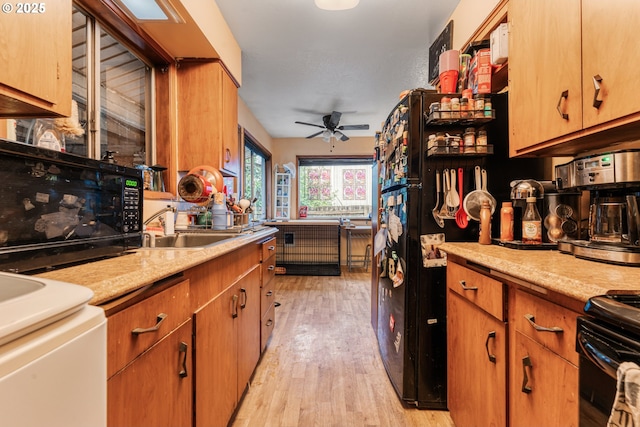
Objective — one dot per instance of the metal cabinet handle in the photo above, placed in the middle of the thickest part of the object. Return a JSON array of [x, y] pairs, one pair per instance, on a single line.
[[227, 155], [271, 267], [492, 357], [243, 291], [596, 85], [563, 95], [269, 293], [269, 322], [526, 363], [467, 288], [272, 248], [532, 321], [183, 349], [234, 306], [159, 319]]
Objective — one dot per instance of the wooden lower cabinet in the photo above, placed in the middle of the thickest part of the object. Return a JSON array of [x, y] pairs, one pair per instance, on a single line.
[[477, 365], [156, 389], [227, 351], [544, 387], [543, 372], [533, 380]]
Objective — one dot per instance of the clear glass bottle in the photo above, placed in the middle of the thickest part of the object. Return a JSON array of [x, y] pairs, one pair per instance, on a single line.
[[506, 222], [531, 224], [485, 223]]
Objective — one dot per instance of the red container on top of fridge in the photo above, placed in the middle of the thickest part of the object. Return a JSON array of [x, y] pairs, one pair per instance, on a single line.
[[480, 72]]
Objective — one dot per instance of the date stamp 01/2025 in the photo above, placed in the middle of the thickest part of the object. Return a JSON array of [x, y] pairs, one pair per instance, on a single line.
[[24, 8]]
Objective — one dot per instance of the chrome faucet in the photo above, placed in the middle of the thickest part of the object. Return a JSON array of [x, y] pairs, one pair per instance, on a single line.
[[157, 214]]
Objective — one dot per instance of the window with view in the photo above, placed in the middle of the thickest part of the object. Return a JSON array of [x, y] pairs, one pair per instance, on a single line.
[[111, 81], [255, 183], [335, 187]]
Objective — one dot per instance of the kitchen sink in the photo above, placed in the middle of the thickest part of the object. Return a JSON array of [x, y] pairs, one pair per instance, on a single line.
[[186, 240]]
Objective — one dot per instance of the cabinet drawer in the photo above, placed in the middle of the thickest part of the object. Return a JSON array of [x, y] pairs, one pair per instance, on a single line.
[[124, 345], [268, 269], [556, 325], [267, 325], [268, 296], [483, 291], [268, 248]]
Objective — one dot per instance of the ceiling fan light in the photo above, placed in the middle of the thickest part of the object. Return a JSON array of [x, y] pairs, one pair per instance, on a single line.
[[326, 135], [336, 4]]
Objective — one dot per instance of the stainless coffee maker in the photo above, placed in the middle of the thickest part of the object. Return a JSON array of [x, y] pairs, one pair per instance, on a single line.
[[613, 182]]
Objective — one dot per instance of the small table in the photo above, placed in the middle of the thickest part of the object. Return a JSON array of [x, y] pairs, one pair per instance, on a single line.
[[358, 232]]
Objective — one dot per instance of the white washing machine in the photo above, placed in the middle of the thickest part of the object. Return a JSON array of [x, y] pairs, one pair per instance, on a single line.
[[53, 354]]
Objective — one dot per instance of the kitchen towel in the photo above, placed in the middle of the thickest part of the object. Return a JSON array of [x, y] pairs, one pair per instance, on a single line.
[[626, 407]]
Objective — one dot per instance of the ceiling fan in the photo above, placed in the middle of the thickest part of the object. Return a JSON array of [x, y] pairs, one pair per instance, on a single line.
[[331, 127]]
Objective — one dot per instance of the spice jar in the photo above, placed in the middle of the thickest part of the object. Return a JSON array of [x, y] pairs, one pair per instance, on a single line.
[[455, 108], [478, 105], [464, 108], [445, 107], [487, 108], [469, 137], [482, 137]]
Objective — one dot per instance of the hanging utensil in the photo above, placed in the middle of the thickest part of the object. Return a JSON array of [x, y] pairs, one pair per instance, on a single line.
[[436, 208], [454, 198], [492, 200], [473, 201], [461, 216], [444, 211]]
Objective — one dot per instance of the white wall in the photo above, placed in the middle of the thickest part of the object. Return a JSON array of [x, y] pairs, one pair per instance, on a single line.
[[467, 17]]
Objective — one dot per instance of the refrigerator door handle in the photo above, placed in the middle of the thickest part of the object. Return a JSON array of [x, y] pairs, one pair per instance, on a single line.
[[463, 283]]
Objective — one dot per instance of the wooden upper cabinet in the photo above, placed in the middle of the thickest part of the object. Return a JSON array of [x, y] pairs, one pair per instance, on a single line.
[[559, 52], [35, 52], [207, 117], [544, 62], [608, 31]]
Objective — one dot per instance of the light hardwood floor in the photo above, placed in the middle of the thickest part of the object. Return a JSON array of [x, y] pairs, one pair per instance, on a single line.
[[322, 366]]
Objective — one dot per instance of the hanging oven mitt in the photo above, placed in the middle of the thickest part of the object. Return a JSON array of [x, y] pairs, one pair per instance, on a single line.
[[626, 406]]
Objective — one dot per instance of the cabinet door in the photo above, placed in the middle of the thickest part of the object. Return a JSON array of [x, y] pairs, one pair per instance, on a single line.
[[248, 327], [199, 107], [35, 50], [605, 27], [208, 117], [156, 389], [216, 358], [229, 126], [477, 382], [552, 396], [544, 62]]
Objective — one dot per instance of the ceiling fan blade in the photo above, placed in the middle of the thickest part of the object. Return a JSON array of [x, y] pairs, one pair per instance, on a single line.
[[315, 134], [310, 124], [334, 120], [354, 127], [341, 136]]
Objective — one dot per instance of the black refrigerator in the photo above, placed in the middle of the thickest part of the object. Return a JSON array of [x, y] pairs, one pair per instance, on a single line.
[[411, 306]]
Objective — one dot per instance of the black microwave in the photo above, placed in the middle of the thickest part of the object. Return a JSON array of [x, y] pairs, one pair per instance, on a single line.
[[60, 209]]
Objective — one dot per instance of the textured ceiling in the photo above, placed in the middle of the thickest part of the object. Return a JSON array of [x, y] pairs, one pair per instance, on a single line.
[[300, 63]]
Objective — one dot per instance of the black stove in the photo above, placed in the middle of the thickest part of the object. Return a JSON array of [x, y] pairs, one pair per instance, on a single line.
[[607, 335]]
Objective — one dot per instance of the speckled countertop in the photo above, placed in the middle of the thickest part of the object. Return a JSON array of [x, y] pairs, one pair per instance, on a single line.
[[550, 269], [111, 278]]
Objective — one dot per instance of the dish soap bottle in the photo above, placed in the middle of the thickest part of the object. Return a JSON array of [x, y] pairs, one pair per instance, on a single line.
[[485, 223], [531, 224]]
